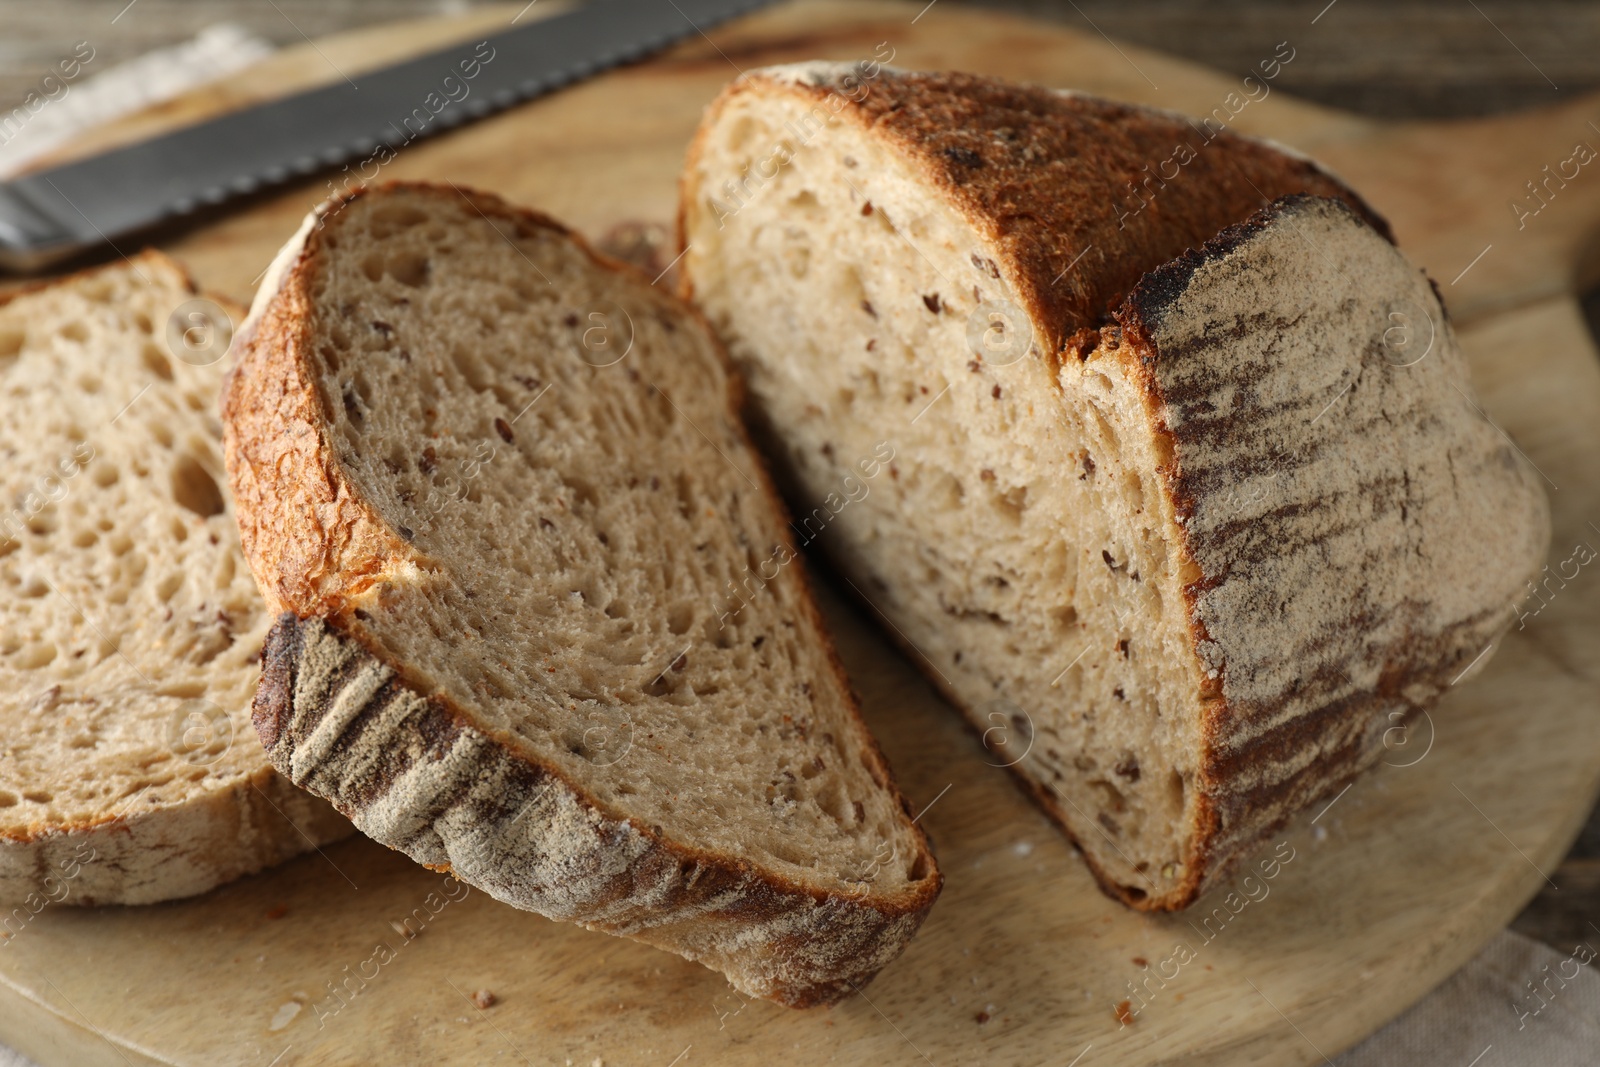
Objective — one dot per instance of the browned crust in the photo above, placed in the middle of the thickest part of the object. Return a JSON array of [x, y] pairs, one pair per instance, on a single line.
[[310, 540], [1044, 178], [316, 545]]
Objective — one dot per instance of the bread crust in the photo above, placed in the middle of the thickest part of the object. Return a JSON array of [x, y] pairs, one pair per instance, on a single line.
[[1341, 723], [166, 854], [340, 722], [175, 851], [1043, 177], [1046, 177], [339, 718]]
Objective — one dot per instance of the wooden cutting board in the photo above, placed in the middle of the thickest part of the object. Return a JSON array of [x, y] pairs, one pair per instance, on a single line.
[[1387, 892]]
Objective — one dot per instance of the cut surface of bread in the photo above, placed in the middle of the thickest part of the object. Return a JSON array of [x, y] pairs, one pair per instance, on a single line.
[[1183, 520], [130, 628], [542, 623]]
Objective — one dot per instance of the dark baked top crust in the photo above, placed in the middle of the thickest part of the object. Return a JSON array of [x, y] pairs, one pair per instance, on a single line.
[[1083, 196]]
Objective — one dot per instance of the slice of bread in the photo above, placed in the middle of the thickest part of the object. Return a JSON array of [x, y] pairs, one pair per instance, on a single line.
[[1186, 534], [543, 626], [130, 629]]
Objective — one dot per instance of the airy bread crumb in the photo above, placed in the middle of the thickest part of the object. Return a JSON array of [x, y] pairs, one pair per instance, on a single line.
[[130, 628]]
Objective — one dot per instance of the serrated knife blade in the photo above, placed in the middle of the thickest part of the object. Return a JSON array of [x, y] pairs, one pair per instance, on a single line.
[[53, 214]]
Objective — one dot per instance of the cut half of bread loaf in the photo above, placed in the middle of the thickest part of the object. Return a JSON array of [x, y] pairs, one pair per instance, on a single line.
[[130, 628], [1186, 521], [543, 625]]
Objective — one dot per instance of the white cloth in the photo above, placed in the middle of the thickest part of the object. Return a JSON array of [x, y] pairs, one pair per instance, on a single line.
[[97, 97], [1517, 1004]]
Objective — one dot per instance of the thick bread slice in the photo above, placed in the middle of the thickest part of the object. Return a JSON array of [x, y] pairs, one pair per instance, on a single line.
[[130, 629], [543, 626], [1184, 561]]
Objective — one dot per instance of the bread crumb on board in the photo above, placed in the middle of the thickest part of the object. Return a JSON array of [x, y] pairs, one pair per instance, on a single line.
[[484, 999]]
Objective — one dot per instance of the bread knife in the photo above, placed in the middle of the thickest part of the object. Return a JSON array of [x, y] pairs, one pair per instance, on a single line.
[[50, 215]]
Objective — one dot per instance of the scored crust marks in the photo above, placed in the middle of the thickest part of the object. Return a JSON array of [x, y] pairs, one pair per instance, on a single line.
[[1321, 609], [333, 716]]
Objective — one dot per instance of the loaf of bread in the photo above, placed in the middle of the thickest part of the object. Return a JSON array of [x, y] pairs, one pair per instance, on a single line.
[[130, 628], [540, 621], [1191, 503]]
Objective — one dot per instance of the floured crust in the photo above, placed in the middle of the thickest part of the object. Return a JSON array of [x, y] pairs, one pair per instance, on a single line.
[[1272, 747], [174, 851], [417, 775], [422, 776]]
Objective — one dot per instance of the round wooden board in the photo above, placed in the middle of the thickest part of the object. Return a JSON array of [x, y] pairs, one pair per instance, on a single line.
[[1374, 900]]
